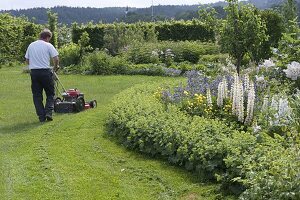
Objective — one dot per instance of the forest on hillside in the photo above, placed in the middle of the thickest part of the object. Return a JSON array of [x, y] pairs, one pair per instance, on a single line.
[[68, 15]]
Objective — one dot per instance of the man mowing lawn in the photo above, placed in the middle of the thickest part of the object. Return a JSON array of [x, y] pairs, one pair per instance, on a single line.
[[38, 57]]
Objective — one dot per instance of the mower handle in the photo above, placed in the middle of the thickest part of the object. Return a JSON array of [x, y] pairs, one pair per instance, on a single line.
[[57, 79]]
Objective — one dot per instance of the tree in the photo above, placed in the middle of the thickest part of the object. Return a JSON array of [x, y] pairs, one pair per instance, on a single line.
[[275, 28], [84, 45], [289, 10], [243, 31], [52, 23]]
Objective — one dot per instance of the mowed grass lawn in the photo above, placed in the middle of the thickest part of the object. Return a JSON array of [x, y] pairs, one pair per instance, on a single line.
[[73, 157]]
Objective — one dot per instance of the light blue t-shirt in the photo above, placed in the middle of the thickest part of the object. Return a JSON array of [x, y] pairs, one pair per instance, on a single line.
[[39, 54]]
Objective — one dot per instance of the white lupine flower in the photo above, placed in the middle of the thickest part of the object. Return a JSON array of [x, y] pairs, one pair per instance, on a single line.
[[169, 53], [250, 103], [225, 88], [231, 91], [154, 53], [284, 111], [293, 70], [274, 103], [260, 79], [208, 97], [256, 128], [268, 64], [220, 95], [265, 103], [241, 102], [246, 83], [234, 94]]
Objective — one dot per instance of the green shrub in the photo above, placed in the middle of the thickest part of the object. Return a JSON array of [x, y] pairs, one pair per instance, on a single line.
[[142, 122], [146, 69], [69, 55], [214, 58], [119, 65], [184, 30], [257, 167], [272, 170], [142, 53], [98, 62]]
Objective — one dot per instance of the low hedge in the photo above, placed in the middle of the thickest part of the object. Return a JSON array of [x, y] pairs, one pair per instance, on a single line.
[[259, 167], [141, 122]]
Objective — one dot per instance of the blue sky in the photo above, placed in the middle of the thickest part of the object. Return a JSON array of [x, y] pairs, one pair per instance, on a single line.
[[20, 4]]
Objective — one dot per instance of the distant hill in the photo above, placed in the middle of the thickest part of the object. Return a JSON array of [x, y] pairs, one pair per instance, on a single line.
[[68, 15]]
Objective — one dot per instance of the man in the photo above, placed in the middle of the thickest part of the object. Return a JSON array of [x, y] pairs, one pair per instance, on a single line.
[[38, 57]]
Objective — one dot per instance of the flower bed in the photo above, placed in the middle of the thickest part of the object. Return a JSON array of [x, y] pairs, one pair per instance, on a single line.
[[241, 161]]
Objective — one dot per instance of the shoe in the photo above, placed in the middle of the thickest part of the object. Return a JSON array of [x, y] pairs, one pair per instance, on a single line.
[[49, 118], [42, 119]]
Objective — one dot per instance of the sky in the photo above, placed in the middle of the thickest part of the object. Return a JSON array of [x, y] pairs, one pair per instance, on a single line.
[[23, 4]]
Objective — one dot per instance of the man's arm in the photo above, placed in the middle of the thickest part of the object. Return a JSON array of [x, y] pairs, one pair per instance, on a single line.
[[56, 63], [27, 61]]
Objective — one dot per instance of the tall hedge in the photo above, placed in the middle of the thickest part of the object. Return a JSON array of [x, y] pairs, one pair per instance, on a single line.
[[15, 35], [184, 30], [95, 31], [173, 30]]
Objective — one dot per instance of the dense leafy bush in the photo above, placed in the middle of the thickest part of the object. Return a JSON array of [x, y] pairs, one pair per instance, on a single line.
[[185, 30], [95, 32], [168, 52], [258, 166], [15, 36], [99, 63], [69, 55], [120, 35]]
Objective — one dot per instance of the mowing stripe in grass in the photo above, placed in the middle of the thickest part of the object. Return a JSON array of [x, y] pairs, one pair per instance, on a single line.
[[73, 157]]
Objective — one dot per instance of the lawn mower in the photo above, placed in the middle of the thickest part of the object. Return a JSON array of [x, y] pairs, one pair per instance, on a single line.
[[71, 100]]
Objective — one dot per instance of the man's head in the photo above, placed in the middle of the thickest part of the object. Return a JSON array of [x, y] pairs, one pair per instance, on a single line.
[[46, 35]]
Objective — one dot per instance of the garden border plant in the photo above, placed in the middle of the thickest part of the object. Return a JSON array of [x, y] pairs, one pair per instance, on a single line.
[[241, 161]]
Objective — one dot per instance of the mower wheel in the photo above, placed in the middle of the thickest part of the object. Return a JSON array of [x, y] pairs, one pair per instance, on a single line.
[[79, 106], [93, 104], [56, 102]]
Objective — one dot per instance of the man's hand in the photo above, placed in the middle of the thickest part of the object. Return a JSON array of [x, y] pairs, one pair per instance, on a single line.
[[56, 68]]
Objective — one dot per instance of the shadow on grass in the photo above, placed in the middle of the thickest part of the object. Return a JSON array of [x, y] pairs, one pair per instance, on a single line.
[[19, 128]]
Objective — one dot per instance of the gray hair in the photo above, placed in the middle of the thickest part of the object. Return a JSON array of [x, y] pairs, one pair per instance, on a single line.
[[45, 34]]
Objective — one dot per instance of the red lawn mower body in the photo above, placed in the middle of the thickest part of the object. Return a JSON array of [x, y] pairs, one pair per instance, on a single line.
[[71, 100]]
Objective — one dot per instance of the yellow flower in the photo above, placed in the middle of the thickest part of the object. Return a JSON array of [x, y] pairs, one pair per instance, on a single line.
[[186, 93]]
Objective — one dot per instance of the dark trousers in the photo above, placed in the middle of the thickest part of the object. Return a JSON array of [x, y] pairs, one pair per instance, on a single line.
[[42, 79]]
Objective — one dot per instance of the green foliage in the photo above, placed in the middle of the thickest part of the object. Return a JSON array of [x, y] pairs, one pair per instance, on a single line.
[[289, 12], [184, 30], [84, 45], [98, 62], [257, 167], [272, 170], [168, 52], [15, 35], [95, 32], [69, 55], [64, 35], [208, 16], [146, 69], [289, 46], [52, 23], [143, 123], [243, 32], [274, 30], [120, 35]]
